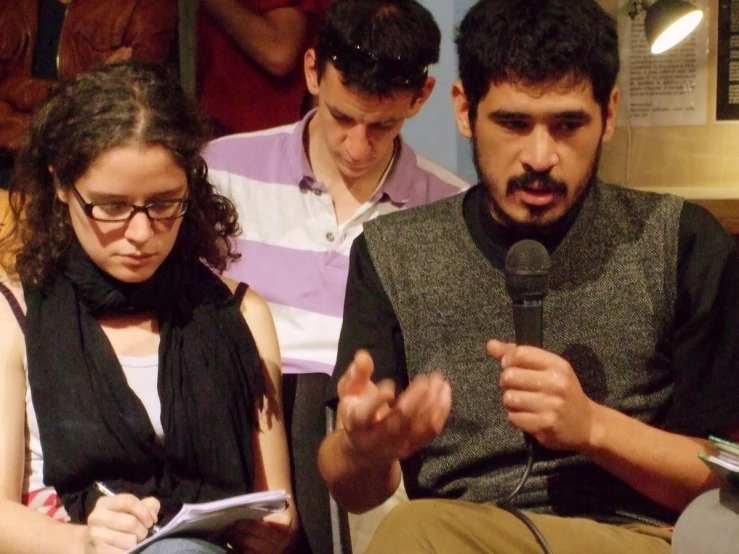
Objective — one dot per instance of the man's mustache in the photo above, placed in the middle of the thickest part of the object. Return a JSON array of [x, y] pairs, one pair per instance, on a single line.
[[543, 180]]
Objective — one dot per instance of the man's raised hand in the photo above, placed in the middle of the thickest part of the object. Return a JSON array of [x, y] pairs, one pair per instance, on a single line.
[[380, 426]]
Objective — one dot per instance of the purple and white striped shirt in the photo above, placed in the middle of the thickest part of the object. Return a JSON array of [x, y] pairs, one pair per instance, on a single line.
[[294, 253]]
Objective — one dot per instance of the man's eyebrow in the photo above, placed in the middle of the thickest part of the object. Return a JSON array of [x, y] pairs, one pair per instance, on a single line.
[[512, 115], [388, 121], [337, 113], [574, 115], [508, 114]]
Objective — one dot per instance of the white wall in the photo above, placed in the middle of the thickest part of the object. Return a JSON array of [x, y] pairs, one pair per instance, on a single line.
[[433, 132]]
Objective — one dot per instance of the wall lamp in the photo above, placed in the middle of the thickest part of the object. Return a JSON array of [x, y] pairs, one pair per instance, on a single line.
[[667, 22]]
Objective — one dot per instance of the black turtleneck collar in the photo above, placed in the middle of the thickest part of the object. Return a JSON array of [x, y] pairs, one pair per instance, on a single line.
[[494, 239]]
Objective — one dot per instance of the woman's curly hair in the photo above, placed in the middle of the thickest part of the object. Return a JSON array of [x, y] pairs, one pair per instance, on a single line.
[[130, 103]]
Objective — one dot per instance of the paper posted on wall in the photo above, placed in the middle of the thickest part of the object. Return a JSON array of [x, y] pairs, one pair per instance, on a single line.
[[212, 517]]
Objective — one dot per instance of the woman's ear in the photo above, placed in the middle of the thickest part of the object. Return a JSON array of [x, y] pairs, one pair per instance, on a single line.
[[61, 194]]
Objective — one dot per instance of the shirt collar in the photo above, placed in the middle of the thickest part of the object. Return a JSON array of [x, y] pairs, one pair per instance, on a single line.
[[303, 172], [398, 185]]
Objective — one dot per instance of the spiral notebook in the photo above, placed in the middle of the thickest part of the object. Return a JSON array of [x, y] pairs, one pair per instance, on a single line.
[[218, 515]]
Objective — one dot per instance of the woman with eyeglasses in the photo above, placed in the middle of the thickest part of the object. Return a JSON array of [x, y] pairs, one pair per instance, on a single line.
[[124, 359]]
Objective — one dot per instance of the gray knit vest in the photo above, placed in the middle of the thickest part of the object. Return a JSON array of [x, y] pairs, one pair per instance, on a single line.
[[609, 312]]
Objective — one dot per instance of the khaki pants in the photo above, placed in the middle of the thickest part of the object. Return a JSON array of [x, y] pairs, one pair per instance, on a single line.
[[362, 526], [455, 527]]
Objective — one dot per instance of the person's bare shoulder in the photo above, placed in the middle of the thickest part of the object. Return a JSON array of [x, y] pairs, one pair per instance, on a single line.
[[12, 340], [5, 213], [14, 286], [252, 303]]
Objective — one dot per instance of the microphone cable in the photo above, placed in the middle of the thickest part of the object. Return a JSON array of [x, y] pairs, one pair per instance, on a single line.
[[506, 505]]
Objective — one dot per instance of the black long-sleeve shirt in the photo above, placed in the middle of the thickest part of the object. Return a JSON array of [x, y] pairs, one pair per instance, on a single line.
[[705, 336]]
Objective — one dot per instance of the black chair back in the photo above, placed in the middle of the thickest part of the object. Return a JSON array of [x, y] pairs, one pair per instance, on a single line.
[[324, 527]]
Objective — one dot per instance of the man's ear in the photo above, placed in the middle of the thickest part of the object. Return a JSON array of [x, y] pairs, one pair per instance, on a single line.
[[310, 68], [420, 99], [461, 110], [609, 122]]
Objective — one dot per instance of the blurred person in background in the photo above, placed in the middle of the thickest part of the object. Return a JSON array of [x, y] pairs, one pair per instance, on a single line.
[[248, 63], [44, 41]]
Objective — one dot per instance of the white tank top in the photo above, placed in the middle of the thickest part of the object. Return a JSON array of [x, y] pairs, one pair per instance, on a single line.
[[141, 374]]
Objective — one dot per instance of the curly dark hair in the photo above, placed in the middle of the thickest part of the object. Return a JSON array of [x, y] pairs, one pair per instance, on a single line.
[[534, 42], [130, 103], [379, 46]]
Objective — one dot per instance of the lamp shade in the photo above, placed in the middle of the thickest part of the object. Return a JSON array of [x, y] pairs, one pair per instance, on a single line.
[[668, 22]]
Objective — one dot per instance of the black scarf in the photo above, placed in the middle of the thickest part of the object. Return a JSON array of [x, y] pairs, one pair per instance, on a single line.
[[94, 428]]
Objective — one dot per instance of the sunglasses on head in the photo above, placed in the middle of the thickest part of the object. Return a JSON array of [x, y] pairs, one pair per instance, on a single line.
[[393, 68]]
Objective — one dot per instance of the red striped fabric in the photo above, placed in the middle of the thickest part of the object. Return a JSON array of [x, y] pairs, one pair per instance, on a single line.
[[47, 502]]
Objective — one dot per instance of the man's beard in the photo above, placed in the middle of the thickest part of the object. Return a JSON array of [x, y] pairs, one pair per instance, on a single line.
[[545, 183]]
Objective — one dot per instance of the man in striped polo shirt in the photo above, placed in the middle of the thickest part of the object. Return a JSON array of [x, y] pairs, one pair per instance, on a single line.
[[303, 191]]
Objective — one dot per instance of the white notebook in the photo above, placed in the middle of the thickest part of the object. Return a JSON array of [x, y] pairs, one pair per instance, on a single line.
[[209, 517], [725, 462]]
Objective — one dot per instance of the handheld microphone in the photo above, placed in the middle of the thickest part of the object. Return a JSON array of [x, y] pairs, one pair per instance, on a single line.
[[527, 266]]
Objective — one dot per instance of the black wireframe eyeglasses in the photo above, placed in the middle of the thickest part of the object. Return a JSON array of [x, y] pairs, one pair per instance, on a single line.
[[161, 210]]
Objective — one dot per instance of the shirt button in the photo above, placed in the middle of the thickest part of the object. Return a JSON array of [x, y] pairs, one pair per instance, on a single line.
[[330, 236]]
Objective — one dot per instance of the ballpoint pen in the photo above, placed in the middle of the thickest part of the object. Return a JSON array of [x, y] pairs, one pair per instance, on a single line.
[[105, 491]]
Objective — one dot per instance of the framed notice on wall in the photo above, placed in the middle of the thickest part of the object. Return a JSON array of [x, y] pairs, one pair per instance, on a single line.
[[662, 90], [727, 71]]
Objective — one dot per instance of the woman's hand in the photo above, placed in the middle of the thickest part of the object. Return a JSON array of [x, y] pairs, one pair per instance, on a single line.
[[119, 522], [272, 535]]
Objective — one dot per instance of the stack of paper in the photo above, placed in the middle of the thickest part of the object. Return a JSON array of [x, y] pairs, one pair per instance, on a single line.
[[725, 463], [210, 517]]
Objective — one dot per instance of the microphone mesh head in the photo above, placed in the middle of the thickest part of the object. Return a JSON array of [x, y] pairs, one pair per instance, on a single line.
[[527, 266]]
